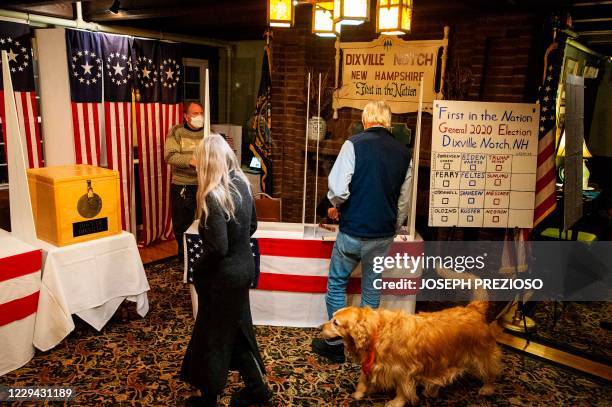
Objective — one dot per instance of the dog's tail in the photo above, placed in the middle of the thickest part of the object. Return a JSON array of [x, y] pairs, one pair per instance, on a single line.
[[480, 298]]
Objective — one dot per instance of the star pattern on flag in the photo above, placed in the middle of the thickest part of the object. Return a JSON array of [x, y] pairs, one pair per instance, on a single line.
[[86, 67], [170, 72], [18, 54], [118, 68], [547, 108], [195, 250], [146, 72]]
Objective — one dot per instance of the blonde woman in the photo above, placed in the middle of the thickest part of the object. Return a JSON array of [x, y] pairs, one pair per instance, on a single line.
[[223, 337]]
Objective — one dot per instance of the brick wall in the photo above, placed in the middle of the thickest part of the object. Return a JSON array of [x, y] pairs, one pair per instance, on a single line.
[[494, 49]]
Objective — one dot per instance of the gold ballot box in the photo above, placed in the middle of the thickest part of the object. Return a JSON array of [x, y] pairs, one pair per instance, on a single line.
[[74, 203]]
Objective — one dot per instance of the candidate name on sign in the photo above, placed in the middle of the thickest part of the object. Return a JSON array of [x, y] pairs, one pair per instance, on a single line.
[[483, 164], [389, 69]]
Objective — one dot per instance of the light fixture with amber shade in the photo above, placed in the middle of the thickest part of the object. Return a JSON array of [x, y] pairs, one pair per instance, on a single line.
[[323, 19], [280, 13], [393, 17], [351, 12]]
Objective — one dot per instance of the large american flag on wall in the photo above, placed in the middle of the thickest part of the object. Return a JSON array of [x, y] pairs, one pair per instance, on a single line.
[[158, 73], [118, 75], [545, 200], [86, 76], [16, 40]]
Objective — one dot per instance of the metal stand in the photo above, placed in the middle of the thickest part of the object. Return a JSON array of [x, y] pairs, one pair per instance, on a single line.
[[514, 319]]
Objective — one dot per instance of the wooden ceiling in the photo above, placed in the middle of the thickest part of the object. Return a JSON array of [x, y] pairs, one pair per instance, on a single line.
[[246, 19]]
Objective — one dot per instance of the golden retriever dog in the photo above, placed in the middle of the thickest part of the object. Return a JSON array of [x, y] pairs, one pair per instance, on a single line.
[[400, 351]]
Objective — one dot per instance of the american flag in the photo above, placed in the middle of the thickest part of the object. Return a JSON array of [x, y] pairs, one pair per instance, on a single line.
[[157, 74], [545, 200], [16, 40], [117, 74], [85, 69]]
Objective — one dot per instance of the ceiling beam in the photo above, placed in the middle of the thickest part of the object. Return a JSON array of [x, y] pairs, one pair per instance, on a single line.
[[594, 33], [591, 3], [592, 20], [21, 3], [214, 10]]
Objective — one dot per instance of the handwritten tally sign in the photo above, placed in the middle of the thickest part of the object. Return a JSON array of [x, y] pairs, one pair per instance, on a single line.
[[390, 69], [483, 164]]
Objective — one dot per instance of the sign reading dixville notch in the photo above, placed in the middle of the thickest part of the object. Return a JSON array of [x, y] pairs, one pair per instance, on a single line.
[[389, 69]]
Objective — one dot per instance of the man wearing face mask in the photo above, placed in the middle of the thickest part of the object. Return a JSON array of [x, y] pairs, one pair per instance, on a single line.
[[178, 153]]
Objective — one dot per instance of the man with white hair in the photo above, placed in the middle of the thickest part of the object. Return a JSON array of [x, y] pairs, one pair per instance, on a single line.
[[369, 188]]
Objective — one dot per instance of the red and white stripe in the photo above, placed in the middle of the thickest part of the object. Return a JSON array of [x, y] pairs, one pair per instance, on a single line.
[[545, 199], [172, 114], [20, 278], [27, 114], [87, 130], [119, 152], [302, 266], [153, 121]]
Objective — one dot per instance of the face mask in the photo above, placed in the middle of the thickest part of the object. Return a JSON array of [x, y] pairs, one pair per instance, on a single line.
[[197, 121]]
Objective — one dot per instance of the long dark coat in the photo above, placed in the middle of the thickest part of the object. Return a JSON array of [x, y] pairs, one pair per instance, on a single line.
[[221, 279]]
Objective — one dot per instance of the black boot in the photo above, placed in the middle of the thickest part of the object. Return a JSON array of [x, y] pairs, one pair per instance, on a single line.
[[333, 352], [200, 401], [249, 397]]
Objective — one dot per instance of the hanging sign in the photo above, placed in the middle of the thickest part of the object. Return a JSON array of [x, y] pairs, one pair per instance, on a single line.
[[389, 69], [483, 164]]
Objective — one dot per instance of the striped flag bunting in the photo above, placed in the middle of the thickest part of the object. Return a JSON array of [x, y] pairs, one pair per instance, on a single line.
[[118, 76], [158, 74], [85, 69], [16, 40]]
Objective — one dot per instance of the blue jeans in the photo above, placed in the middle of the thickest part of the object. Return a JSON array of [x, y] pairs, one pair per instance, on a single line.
[[348, 252]]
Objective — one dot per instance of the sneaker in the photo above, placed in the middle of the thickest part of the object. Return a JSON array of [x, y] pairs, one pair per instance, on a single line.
[[334, 353]]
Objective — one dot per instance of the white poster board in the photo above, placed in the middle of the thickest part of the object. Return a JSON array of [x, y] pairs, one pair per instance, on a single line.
[[483, 164]]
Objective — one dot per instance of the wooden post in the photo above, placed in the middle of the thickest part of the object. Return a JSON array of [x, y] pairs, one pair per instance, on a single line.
[[337, 72], [207, 107], [415, 166], [443, 67], [317, 160], [306, 153]]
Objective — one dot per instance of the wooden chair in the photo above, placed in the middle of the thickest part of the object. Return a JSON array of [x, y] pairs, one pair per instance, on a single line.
[[268, 209]]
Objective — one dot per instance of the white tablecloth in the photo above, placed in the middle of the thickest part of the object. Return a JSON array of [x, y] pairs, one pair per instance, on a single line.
[[293, 307], [19, 288], [89, 279]]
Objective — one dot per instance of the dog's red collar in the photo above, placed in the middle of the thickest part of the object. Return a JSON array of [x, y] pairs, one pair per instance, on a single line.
[[368, 361]]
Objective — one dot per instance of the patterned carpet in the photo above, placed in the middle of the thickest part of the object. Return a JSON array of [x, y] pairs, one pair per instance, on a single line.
[[577, 329], [135, 361]]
